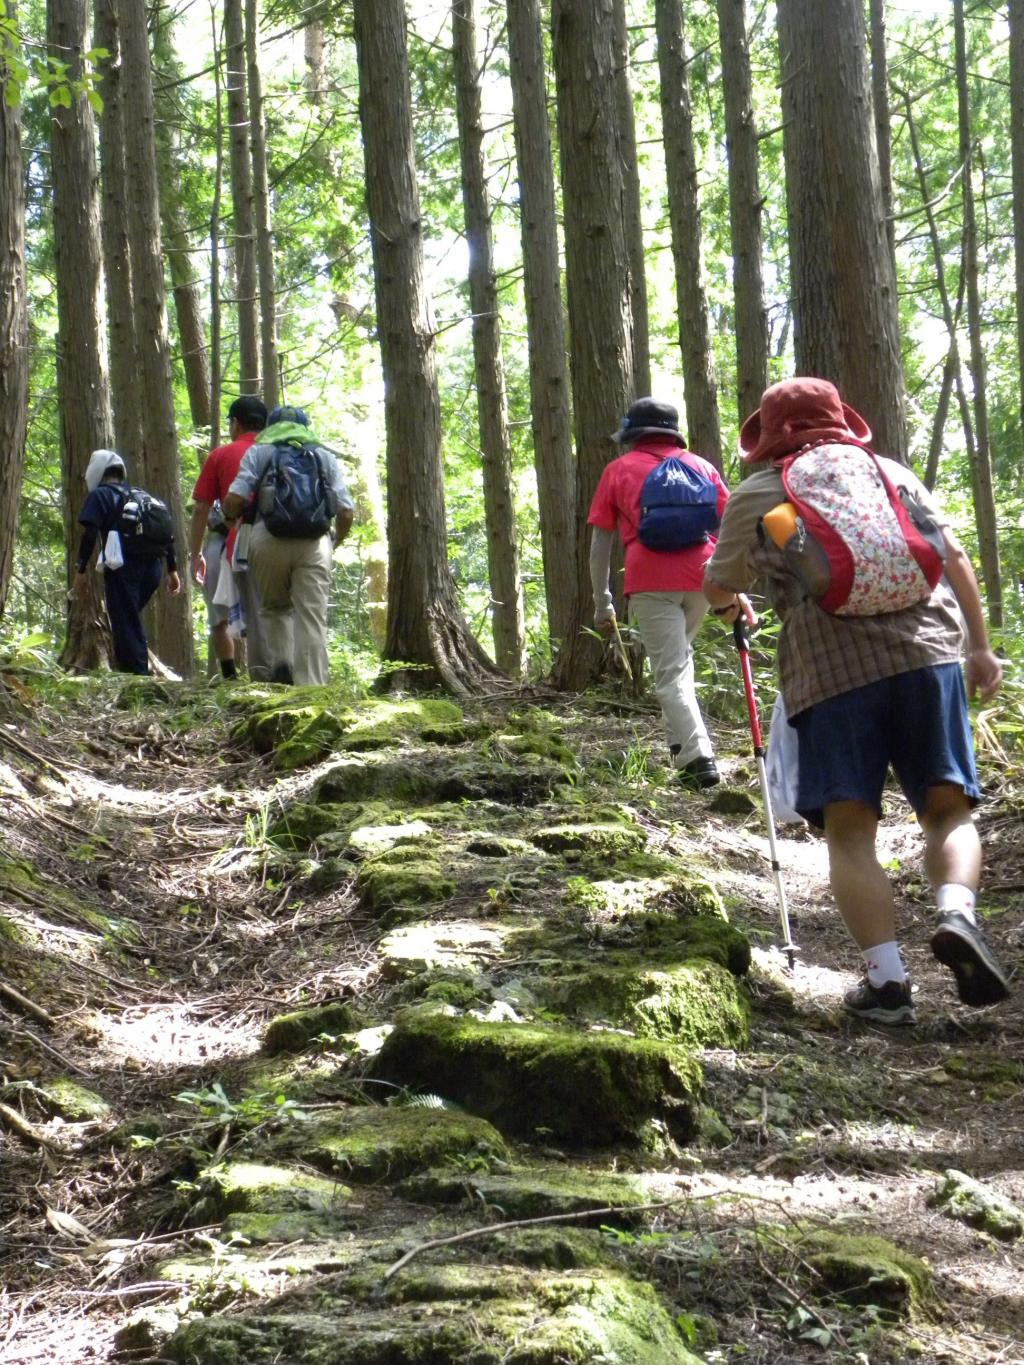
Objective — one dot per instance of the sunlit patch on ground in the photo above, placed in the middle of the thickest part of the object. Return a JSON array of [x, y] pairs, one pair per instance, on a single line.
[[175, 1035]]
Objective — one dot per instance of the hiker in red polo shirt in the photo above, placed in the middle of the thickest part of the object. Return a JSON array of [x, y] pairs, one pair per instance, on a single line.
[[663, 586], [247, 416]]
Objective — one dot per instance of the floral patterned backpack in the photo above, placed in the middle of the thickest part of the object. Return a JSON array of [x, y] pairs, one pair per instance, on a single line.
[[875, 548]]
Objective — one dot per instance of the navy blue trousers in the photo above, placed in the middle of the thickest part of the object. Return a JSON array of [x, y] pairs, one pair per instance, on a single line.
[[128, 589]]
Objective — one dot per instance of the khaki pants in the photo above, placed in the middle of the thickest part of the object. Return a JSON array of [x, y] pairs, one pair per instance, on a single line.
[[293, 579], [668, 622]]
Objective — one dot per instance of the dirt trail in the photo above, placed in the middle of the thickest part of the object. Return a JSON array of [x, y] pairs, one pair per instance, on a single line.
[[447, 883]]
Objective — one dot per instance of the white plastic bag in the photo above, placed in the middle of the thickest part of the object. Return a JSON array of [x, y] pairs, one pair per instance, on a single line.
[[112, 556], [782, 766], [226, 595]]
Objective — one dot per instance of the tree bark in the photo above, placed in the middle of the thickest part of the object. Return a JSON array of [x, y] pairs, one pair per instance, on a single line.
[[161, 469], [425, 623], [631, 205], [598, 278], [185, 286], [499, 504], [846, 325], [261, 204], [984, 497], [316, 65], [702, 420], [883, 123], [1016, 17], [13, 326], [82, 392], [745, 206], [216, 311], [244, 245], [122, 343], [549, 376]]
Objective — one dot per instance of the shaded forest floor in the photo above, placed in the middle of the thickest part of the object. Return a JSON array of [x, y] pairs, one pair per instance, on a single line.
[[178, 1184]]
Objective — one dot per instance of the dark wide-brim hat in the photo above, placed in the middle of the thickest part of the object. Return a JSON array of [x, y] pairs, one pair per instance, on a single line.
[[797, 413], [648, 417]]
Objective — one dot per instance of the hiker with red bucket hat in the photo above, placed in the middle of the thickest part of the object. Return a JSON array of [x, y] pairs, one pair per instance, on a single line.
[[876, 596]]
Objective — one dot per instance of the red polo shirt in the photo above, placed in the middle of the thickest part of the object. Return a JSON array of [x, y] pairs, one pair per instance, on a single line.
[[616, 507], [218, 474]]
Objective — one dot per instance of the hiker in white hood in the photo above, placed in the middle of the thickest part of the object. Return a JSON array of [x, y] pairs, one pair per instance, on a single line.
[[134, 532]]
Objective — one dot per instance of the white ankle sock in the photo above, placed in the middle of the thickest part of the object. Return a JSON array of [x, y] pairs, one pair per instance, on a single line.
[[884, 963], [953, 896]]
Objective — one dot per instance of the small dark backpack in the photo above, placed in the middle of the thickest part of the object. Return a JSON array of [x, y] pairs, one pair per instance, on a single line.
[[145, 525], [295, 500], [678, 506]]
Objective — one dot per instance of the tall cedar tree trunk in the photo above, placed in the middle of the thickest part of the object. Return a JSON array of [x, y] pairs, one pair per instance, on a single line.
[[244, 245], [745, 206], [261, 205], [984, 499], [846, 326], [13, 326], [425, 624], [314, 44], [82, 393], [122, 343], [186, 286], [549, 376], [631, 206], [499, 506], [883, 121], [216, 311], [950, 314], [702, 421], [1016, 14], [586, 57], [161, 467]]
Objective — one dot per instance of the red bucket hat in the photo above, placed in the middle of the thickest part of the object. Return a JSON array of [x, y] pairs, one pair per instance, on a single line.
[[796, 413]]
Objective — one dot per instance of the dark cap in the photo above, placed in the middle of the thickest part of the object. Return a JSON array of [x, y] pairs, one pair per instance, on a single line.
[[287, 414], [249, 412], [648, 417]]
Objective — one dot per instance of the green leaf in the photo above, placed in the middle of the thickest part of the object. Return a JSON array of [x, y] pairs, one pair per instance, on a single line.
[[93, 96]]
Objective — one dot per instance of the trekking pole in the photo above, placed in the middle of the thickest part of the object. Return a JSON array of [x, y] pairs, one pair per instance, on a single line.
[[623, 656], [739, 631]]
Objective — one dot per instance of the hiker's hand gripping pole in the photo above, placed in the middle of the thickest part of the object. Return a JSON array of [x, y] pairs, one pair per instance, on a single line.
[[739, 632]]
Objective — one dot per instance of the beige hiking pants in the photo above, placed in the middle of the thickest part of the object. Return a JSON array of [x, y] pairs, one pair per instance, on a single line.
[[293, 579], [668, 622]]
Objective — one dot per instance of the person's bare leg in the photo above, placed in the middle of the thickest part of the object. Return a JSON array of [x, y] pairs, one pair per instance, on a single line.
[[859, 884], [223, 644], [952, 850]]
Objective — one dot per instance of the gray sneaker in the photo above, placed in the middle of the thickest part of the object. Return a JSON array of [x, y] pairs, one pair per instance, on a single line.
[[960, 945], [891, 1003]]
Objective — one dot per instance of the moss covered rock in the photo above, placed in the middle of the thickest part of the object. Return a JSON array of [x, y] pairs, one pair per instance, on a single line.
[[393, 1143], [590, 1089], [365, 841], [445, 945], [378, 722], [530, 1192], [372, 777], [299, 825], [256, 1187], [868, 1269], [453, 1315], [697, 1003], [300, 726], [291, 1032], [971, 1202], [73, 1101], [606, 838], [402, 876]]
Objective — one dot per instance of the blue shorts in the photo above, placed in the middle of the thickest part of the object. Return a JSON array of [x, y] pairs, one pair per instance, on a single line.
[[916, 722]]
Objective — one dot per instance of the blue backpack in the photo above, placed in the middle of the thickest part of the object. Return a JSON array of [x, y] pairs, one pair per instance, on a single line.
[[295, 499], [678, 506]]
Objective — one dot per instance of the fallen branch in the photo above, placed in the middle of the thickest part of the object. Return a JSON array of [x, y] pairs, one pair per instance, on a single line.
[[24, 1003], [529, 1223], [28, 1131]]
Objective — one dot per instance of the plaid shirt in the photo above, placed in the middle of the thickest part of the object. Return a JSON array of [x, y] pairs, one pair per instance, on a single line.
[[821, 655]]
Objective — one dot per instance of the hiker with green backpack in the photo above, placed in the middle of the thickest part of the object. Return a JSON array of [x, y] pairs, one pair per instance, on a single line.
[[877, 597], [292, 487]]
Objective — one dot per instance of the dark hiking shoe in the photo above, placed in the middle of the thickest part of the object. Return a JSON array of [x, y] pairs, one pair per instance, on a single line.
[[891, 1003], [960, 945], [698, 774], [282, 674]]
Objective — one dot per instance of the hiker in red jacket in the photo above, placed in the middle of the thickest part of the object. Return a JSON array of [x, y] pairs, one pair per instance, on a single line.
[[663, 586], [869, 684]]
